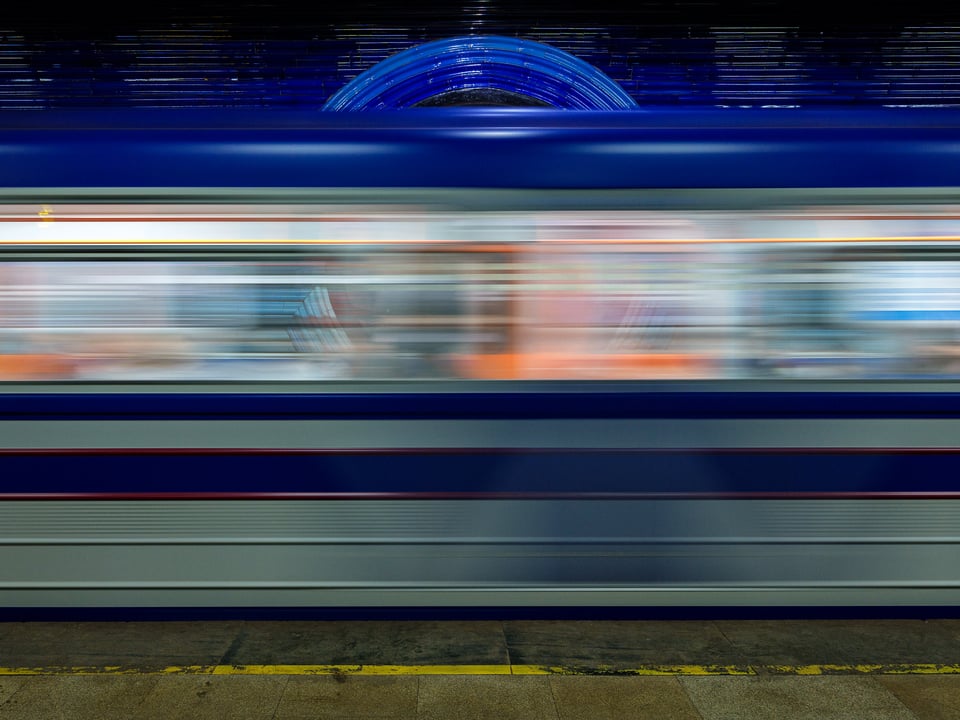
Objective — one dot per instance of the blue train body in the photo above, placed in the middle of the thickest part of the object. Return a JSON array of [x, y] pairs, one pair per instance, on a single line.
[[486, 358]]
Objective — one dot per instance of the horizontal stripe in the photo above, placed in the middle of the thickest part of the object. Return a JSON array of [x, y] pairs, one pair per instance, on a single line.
[[463, 531], [463, 149], [177, 247], [749, 402], [486, 496], [455, 452], [572, 474], [483, 434], [652, 670]]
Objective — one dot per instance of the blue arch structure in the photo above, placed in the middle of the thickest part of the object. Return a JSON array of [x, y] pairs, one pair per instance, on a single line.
[[537, 73]]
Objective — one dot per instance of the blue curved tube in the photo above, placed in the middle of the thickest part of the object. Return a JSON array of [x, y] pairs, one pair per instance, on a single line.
[[523, 67]]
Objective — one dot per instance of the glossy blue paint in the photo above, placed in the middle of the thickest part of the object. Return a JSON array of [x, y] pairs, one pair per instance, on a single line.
[[489, 148]]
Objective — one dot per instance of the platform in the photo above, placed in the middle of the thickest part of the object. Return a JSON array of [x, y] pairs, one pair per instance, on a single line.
[[595, 669]]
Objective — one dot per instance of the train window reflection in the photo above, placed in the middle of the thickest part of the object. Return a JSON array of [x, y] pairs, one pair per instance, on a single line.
[[209, 293]]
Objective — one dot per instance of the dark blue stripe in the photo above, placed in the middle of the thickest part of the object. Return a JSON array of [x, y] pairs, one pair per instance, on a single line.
[[485, 405], [540, 149], [493, 473]]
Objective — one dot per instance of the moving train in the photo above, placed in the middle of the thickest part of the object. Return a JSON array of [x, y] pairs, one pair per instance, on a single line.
[[479, 358]]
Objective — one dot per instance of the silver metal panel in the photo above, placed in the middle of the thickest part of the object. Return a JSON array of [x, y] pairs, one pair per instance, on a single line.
[[479, 434], [518, 522], [370, 553], [358, 598], [387, 566]]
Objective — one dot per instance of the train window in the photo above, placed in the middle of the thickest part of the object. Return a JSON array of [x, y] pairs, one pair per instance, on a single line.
[[252, 292]]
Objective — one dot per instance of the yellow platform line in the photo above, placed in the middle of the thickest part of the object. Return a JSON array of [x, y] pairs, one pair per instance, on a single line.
[[108, 670], [341, 670], [864, 669], [644, 670]]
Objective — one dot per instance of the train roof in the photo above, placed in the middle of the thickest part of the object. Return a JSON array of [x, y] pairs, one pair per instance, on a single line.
[[508, 148]]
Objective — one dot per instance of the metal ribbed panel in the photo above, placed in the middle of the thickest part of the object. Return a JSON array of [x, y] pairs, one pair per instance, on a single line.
[[473, 521], [510, 553]]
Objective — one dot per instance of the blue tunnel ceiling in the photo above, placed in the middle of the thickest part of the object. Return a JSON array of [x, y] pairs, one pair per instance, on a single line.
[[266, 55]]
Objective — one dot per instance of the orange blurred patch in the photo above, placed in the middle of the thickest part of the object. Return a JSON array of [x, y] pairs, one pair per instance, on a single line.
[[35, 367], [582, 366]]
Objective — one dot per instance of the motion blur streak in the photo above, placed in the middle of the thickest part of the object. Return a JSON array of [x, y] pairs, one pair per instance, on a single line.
[[484, 365], [312, 292]]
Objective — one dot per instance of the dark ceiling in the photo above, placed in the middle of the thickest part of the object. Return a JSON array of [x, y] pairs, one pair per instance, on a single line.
[[296, 55]]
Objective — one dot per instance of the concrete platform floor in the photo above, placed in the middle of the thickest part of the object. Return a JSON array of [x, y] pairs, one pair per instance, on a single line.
[[598, 670]]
